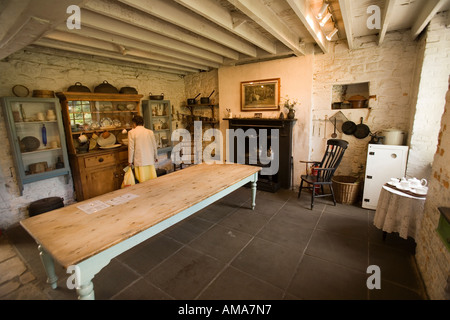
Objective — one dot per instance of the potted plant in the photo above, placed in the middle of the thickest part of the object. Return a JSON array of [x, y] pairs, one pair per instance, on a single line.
[[290, 106]]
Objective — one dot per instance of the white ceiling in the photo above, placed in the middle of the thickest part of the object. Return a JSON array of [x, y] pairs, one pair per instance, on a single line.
[[189, 36]]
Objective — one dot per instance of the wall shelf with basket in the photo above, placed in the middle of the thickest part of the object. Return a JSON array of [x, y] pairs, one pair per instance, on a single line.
[[37, 140]]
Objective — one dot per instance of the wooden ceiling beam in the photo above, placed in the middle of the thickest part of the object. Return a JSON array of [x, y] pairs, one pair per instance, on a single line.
[[306, 16], [185, 19], [386, 19], [431, 7], [23, 22], [132, 43], [80, 39], [346, 11], [114, 55], [113, 26], [268, 20], [120, 12], [218, 14]]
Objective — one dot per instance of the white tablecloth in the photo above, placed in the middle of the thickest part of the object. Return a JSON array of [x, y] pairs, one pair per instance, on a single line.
[[399, 212]]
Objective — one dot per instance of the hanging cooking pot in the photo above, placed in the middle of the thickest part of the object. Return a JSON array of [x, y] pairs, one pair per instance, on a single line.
[[205, 100], [362, 130], [349, 127], [193, 101], [156, 97], [105, 87], [128, 90], [78, 87]]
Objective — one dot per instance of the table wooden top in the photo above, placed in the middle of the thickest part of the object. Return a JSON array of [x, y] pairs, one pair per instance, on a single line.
[[71, 235]]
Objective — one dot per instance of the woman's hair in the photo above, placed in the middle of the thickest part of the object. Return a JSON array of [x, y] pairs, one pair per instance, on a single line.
[[138, 120]]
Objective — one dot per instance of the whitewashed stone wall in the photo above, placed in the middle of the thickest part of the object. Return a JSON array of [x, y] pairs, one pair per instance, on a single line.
[[50, 70], [433, 258], [434, 59], [204, 83], [388, 68]]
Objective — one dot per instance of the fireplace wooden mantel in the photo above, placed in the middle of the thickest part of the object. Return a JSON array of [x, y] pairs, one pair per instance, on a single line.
[[282, 179]]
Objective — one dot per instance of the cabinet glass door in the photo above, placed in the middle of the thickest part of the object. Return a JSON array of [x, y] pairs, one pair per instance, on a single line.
[[36, 137], [158, 117]]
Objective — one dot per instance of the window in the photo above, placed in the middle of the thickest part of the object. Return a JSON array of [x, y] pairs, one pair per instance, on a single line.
[[79, 112]]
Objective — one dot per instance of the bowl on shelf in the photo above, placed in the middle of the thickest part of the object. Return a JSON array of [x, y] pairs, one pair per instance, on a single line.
[[125, 141]]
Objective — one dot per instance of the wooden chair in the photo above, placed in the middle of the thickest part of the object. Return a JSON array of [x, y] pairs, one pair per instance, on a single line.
[[325, 170]]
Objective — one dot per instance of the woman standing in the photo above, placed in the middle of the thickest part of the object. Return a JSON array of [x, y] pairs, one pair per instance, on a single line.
[[142, 150]]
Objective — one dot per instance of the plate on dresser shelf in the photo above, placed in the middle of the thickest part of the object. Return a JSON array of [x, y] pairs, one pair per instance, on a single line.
[[104, 142], [106, 122], [95, 125], [106, 106], [117, 123], [111, 146]]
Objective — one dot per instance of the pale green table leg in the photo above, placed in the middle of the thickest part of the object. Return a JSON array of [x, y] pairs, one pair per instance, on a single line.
[[86, 291], [49, 266], [254, 191]]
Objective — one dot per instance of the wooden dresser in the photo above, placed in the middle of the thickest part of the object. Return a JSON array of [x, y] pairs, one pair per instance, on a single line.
[[98, 170]]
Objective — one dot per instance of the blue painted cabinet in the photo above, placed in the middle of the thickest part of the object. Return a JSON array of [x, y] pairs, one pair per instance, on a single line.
[[157, 116], [36, 137]]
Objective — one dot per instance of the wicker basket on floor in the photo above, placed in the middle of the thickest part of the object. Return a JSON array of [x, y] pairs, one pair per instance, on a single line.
[[346, 189]]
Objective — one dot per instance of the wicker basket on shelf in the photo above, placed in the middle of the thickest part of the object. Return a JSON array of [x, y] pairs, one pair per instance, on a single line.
[[346, 189]]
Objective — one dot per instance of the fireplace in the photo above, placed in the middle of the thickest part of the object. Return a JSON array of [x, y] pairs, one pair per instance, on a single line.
[[267, 135]]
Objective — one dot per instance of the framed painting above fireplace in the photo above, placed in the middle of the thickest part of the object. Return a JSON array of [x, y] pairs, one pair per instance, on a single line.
[[260, 95]]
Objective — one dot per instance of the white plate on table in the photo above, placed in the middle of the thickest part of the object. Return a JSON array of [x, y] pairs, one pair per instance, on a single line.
[[111, 146], [403, 188]]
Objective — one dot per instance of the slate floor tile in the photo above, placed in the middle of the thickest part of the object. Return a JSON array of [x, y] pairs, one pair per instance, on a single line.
[[233, 284], [245, 220], [287, 234], [221, 242], [395, 265], [342, 250], [141, 290], [318, 279], [268, 261], [184, 274]]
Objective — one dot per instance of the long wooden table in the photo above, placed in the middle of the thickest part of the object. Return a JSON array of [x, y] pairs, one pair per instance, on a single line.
[[74, 236]]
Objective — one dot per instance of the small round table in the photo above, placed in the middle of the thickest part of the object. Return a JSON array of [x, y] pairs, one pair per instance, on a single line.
[[400, 212]]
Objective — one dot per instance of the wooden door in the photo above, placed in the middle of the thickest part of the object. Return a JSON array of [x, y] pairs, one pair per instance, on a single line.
[[101, 180]]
